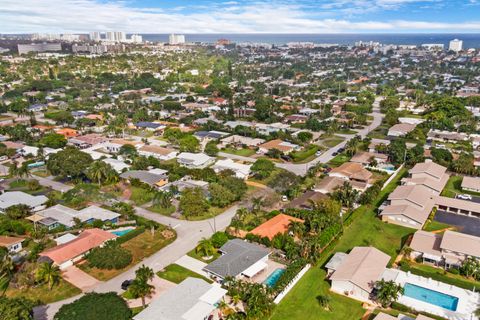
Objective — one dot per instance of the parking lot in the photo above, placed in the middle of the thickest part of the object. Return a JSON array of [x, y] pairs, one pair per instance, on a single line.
[[468, 225]]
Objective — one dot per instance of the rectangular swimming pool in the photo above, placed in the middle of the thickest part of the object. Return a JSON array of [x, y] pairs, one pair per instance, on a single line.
[[273, 277], [436, 298], [122, 232]]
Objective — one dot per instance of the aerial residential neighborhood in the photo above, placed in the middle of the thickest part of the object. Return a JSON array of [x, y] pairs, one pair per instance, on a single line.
[[218, 176]]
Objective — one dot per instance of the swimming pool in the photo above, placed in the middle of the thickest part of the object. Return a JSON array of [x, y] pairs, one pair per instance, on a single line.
[[120, 233], [273, 277], [436, 298]]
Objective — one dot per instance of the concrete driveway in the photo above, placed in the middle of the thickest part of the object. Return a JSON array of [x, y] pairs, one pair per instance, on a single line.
[[464, 224], [80, 279], [192, 264]]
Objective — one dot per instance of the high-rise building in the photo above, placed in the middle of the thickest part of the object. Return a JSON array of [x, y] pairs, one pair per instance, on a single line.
[[176, 39], [39, 47], [95, 36], [456, 45], [136, 38]]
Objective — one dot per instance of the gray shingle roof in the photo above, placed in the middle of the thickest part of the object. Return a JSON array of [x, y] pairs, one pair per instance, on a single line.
[[143, 176], [238, 255]]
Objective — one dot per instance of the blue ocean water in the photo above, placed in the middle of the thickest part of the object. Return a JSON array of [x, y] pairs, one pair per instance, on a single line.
[[470, 40]]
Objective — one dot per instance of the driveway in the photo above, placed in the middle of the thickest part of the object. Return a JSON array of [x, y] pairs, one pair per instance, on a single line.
[[80, 279], [192, 264], [468, 225]]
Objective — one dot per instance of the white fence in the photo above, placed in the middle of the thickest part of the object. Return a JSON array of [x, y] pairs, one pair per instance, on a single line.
[[392, 177], [292, 283]]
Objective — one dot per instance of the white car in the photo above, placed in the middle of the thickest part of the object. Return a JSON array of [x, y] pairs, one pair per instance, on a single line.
[[464, 196], [284, 198], [318, 153]]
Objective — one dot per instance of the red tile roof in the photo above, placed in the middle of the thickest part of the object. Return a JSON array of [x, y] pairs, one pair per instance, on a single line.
[[87, 240], [274, 226]]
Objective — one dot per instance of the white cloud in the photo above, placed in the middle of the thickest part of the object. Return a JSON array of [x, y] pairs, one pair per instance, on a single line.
[[230, 17]]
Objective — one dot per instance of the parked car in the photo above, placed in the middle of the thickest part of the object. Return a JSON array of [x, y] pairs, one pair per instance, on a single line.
[[341, 150], [284, 198], [335, 154], [318, 153], [126, 284], [464, 196]]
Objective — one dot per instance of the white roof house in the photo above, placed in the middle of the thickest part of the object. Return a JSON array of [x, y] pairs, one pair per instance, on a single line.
[[116, 164], [242, 171], [13, 198], [192, 299], [194, 160], [65, 215]]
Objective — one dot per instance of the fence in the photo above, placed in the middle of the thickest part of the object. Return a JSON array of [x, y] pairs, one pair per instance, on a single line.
[[292, 283], [392, 176]]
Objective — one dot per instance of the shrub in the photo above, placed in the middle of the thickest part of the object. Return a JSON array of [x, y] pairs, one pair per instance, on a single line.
[[93, 306], [111, 256], [219, 239]]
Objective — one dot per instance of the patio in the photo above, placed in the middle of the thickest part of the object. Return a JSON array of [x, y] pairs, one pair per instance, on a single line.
[[263, 275]]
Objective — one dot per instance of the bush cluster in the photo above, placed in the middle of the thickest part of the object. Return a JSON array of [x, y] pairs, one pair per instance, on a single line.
[[110, 256]]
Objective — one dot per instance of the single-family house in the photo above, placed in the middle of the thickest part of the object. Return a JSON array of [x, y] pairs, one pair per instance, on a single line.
[[276, 225], [242, 171], [240, 141], [87, 140], [283, 146], [12, 198], [191, 299], [65, 255], [186, 183], [150, 126], [306, 200], [428, 174], [328, 184], [354, 173], [239, 259], [366, 158], [401, 129], [194, 160], [12, 244], [157, 179], [117, 165], [354, 274], [158, 152], [114, 145]]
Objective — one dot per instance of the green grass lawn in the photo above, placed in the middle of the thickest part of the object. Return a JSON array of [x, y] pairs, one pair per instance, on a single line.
[[435, 225], [239, 152], [304, 155], [212, 212], [141, 196], [177, 274], [301, 302], [43, 294], [338, 160], [366, 229], [454, 187], [332, 141], [192, 253], [440, 274], [163, 211]]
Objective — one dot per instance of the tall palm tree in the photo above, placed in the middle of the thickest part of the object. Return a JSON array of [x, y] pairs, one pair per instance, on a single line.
[[257, 203], [162, 199], [97, 171], [387, 292], [6, 272], [49, 273], [141, 288], [205, 247], [297, 228], [145, 272], [13, 170], [346, 195], [24, 171]]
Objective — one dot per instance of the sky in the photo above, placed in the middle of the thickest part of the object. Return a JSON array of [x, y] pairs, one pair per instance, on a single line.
[[240, 16]]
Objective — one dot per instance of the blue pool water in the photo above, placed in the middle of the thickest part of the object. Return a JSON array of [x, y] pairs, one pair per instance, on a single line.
[[273, 278], [431, 296], [121, 232]]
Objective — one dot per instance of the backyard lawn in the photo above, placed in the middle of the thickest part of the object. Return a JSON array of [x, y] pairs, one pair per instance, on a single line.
[[44, 295], [177, 274], [453, 187], [141, 196], [305, 155], [142, 246], [239, 152], [338, 160], [366, 229], [301, 302]]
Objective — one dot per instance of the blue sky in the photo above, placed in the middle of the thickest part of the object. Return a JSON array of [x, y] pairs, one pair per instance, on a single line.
[[240, 16]]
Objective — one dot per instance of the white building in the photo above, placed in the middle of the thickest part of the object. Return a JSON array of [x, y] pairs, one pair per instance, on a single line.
[[116, 36], [194, 160], [456, 45], [136, 38], [174, 39], [95, 36], [242, 171]]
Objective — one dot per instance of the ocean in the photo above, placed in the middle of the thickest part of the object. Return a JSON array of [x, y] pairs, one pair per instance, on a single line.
[[470, 40]]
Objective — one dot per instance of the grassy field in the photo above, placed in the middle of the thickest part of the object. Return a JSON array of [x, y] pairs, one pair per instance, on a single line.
[[44, 295], [301, 302], [163, 211], [142, 246], [212, 212], [305, 155], [365, 230], [332, 141], [239, 152], [141, 196], [177, 274], [435, 225], [454, 187]]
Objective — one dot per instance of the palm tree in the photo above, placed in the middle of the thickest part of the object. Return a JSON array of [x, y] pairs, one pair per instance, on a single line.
[[145, 273], [346, 195], [97, 171], [6, 271], [257, 203], [49, 273], [297, 228], [205, 247], [13, 170], [24, 171], [387, 292], [324, 301], [141, 288], [162, 199]]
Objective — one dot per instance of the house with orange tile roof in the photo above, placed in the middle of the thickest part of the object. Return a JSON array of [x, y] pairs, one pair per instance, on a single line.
[[274, 226], [283, 146], [67, 132], [65, 255]]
